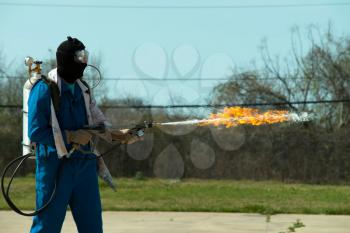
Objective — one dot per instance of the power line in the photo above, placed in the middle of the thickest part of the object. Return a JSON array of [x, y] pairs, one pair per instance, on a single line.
[[172, 79], [191, 79], [98, 6], [228, 105], [207, 105]]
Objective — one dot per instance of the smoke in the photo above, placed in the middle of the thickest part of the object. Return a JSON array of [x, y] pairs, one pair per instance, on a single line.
[[301, 117]]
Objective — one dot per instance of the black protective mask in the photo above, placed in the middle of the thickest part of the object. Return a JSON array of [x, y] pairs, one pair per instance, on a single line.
[[67, 67]]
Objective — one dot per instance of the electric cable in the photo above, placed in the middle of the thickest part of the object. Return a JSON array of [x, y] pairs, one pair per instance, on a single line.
[[207, 105], [174, 79], [222, 6], [226, 105]]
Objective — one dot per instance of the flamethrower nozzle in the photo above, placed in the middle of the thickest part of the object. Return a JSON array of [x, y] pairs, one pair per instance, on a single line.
[[144, 125], [138, 129]]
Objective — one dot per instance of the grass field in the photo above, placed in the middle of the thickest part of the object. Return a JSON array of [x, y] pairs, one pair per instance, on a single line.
[[209, 195]]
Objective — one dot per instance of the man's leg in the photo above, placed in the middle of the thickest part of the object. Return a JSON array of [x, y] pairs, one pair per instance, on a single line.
[[85, 201], [51, 219]]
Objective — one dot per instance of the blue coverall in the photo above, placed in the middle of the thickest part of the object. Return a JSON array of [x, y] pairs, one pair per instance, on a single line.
[[77, 177]]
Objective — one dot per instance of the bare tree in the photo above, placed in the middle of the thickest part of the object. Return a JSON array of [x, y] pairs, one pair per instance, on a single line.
[[322, 73]]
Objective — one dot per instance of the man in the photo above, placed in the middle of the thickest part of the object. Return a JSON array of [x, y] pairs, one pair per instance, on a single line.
[[76, 176]]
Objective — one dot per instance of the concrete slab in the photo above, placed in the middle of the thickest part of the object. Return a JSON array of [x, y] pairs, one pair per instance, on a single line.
[[188, 222]]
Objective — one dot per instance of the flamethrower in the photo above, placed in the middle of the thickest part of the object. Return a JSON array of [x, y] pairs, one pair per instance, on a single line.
[[229, 117], [137, 130]]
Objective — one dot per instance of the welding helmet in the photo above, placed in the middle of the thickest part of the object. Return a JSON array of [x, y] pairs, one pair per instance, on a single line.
[[71, 59]]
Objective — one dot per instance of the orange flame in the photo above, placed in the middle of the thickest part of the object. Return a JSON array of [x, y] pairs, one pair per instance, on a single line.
[[233, 116]]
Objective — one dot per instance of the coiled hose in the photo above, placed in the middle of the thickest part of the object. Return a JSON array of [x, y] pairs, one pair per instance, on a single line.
[[20, 160]]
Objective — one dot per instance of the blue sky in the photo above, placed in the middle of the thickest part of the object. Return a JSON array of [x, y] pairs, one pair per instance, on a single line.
[[116, 33]]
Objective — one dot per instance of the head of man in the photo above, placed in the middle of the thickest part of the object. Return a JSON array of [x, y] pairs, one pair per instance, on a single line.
[[71, 58]]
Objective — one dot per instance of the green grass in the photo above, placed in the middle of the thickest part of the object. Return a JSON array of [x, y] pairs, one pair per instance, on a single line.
[[209, 195]]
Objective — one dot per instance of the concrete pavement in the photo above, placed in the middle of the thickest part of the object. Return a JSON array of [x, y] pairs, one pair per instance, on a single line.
[[189, 222]]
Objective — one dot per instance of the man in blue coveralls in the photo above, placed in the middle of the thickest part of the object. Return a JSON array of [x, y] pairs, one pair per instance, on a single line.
[[77, 182]]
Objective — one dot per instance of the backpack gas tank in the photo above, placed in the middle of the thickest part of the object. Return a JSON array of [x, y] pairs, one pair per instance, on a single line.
[[34, 75]]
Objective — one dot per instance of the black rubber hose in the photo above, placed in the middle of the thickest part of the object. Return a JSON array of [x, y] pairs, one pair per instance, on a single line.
[[22, 159], [99, 76], [6, 193]]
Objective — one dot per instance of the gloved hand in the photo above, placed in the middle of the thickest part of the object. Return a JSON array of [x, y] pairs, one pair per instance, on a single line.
[[125, 136], [81, 137]]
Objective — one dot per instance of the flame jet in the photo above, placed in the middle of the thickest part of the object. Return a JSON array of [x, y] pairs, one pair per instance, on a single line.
[[233, 116]]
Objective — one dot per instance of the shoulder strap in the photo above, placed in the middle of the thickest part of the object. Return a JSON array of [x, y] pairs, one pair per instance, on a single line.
[[87, 85], [55, 92]]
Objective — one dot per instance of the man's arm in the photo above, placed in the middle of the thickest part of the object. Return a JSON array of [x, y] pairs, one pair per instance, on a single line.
[[124, 136], [39, 115], [97, 115]]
